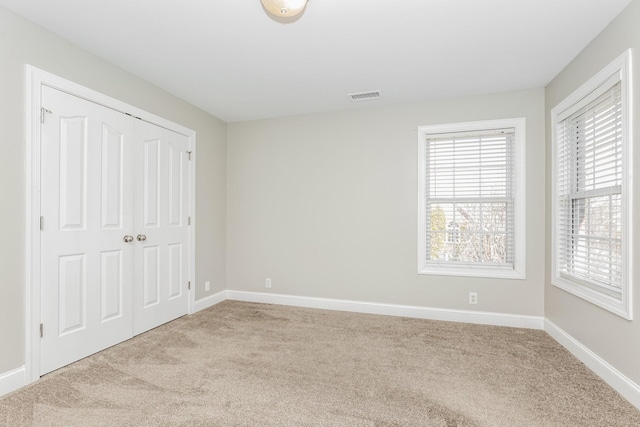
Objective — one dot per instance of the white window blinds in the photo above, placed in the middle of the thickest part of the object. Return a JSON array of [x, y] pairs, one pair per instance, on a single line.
[[469, 200], [589, 191]]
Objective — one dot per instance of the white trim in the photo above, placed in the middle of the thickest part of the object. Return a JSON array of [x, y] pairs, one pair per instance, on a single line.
[[12, 380], [519, 220], [617, 380], [210, 301], [479, 271], [32, 225], [621, 66], [192, 227], [35, 79], [450, 315], [602, 77]]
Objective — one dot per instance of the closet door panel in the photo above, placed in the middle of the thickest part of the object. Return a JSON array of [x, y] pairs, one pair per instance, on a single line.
[[86, 267], [161, 223]]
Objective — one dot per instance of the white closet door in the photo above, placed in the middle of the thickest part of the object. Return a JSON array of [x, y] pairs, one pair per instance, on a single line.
[[161, 209], [87, 209]]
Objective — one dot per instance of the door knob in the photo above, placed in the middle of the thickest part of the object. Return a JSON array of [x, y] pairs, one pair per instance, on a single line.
[[141, 237], [128, 239]]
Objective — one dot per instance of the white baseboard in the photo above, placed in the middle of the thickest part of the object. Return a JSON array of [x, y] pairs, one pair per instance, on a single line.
[[618, 381], [210, 301], [12, 380], [477, 317]]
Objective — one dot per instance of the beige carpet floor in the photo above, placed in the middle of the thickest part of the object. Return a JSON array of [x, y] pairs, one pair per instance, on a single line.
[[243, 364]]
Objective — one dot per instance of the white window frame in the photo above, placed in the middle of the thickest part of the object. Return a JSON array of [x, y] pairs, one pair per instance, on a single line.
[[623, 308], [476, 269]]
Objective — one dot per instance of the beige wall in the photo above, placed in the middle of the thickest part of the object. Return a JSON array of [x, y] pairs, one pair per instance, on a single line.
[[326, 206], [614, 339], [24, 43]]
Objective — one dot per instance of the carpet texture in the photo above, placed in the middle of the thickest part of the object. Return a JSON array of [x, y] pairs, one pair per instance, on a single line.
[[244, 364]]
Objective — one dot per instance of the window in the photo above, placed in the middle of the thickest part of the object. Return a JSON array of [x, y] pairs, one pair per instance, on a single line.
[[591, 131], [471, 199]]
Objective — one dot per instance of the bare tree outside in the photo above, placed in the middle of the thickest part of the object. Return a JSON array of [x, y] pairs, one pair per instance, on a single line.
[[469, 232]]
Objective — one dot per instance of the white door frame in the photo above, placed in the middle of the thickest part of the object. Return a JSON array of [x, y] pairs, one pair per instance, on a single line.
[[35, 79]]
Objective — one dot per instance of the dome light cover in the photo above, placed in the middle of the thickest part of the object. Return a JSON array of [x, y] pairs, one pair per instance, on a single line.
[[284, 8]]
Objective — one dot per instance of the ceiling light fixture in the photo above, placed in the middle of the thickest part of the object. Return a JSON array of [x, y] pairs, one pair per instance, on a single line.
[[284, 8]]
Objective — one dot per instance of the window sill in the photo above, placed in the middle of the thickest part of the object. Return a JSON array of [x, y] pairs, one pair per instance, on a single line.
[[480, 272], [617, 307]]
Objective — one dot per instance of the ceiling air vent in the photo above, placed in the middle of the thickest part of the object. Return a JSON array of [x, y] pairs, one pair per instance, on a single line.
[[364, 96]]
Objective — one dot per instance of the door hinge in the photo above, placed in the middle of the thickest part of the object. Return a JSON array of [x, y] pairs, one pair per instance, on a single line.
[[42, 112], [188, 220], [41, 330], [41, 223], [189, 285], [189, 154]]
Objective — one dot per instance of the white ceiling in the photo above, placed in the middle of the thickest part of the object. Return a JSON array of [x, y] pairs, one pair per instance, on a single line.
[[233, 61]]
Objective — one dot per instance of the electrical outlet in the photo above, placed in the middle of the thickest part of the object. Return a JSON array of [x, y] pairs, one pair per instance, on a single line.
[[267, 282], [207, 286], [473, 297]]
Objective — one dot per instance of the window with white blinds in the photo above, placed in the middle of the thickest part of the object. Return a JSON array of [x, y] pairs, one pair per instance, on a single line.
[[470, 198], [590, 216]]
